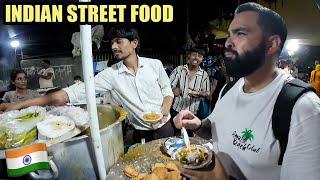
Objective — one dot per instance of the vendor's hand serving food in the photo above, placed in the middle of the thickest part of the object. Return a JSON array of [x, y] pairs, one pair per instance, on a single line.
[[154, 117], [4, 107]]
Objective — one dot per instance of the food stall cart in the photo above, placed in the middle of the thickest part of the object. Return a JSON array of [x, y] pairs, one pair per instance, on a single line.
[[86, 156], [146, 156], [73, 158]]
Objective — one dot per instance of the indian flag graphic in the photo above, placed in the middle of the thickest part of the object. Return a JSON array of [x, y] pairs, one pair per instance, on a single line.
[[26, 159]]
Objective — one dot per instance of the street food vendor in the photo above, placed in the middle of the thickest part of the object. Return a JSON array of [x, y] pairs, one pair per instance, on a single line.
[[139, 84], [241, 122], [19, 91]]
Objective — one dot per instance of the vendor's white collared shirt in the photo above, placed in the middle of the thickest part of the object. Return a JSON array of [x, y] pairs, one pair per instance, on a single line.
[[137, 94]]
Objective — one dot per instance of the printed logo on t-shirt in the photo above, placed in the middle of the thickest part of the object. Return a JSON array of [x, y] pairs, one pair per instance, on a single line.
[[244, 141], [247, 135]]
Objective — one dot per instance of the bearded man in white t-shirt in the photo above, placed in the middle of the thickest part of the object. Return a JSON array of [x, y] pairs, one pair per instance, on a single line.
[[46, 75], [241, 122]]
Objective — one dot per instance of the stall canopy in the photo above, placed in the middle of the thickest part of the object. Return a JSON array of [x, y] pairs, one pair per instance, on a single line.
[[302, 18]]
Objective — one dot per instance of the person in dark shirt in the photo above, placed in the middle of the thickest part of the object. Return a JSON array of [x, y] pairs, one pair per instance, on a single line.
[[219, 80]]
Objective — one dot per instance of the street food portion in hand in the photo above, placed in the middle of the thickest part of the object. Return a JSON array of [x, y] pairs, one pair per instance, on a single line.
[[130, 172], [160, 171], [152, 117], [193, 155]]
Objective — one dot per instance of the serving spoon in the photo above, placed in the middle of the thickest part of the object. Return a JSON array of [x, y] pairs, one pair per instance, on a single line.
[[185, 137]]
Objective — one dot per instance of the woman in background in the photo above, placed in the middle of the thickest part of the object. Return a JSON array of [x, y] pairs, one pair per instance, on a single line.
[[19, 88]]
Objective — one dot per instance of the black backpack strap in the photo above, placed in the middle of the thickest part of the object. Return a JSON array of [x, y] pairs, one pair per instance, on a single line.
[[282, 111], [227, 88]]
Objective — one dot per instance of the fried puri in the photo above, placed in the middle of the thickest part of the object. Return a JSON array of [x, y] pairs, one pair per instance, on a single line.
[[130, 172], [161, 172]]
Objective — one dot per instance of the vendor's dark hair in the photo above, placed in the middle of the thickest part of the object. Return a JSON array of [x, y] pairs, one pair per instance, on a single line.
[[124, 31], [196, 49], [77, 77], [13, 76], [271, 22]]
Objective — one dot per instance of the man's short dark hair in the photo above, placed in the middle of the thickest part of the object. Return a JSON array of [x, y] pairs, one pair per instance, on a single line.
[[77, 77], [46, 61], [271, 22], [197, 49], [124, 31]]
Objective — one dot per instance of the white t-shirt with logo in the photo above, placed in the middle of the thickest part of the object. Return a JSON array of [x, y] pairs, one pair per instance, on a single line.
[[46, 83], [242, 129]]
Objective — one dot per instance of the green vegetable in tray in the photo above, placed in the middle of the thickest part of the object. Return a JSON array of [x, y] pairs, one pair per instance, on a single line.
[[18, 128], [28, 116], [10, 140]]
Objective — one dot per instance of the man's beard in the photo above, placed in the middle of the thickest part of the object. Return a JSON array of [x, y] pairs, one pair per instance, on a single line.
[[245, 64]]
